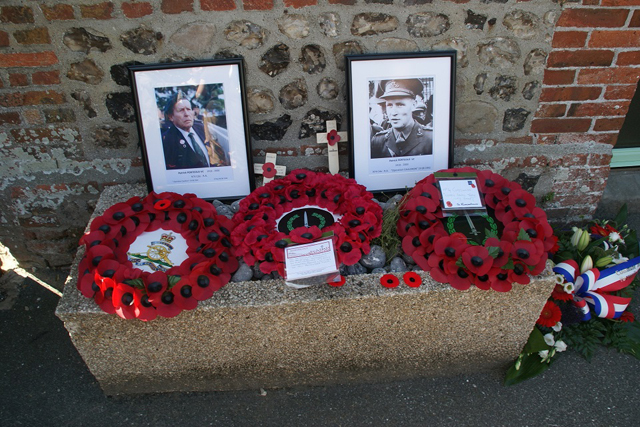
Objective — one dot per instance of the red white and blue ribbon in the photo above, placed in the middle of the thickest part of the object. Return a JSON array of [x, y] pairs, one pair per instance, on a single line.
[[593, 287]]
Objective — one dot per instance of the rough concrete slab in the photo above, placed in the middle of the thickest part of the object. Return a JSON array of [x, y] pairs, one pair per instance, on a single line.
[[263, 334]]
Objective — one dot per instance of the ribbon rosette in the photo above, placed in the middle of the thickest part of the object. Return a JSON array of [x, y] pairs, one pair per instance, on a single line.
[[593, 287]]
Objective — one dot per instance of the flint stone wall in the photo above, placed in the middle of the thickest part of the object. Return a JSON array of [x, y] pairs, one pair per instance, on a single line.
[[542, 89]]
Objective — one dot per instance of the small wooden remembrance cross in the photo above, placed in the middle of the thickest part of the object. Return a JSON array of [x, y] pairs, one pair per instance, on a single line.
[[331, 138], [269, 169]]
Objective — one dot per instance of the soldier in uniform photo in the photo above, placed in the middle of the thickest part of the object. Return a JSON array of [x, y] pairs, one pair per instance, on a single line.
[[185, 142], [406, 137]]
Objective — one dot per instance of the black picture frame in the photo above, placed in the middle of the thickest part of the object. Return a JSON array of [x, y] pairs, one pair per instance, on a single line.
[[383, 83], [209, 156]]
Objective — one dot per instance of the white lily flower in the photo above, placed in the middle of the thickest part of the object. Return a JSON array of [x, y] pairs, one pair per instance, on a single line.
[[615, 237], [548, 338], [557, 327], [587, 264], [560, 346], [618, 259], [569, 287], [544, 354]]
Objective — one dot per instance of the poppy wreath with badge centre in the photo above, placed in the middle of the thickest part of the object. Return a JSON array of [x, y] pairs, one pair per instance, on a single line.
[[107, 275], [257, 239], [520, 249]]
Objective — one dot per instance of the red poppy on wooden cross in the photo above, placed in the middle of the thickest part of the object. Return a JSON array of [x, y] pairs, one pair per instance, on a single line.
[[331, 138], [269, 169]]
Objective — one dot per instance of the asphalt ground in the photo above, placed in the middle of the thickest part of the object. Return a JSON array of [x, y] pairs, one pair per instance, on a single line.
[[44, 382]]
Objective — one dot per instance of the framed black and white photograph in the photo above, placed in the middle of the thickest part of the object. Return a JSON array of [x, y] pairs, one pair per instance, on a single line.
[[401, 110], [193, 128]]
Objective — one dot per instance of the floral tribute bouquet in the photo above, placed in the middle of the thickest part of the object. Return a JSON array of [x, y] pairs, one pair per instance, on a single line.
[[515, 242], [595, 271], [270, 218], [106, 272]]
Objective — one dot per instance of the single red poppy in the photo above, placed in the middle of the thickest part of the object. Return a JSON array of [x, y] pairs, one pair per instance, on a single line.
[[519, 274], [162, 205], [500, 280], [155, 285], [477, 260], [502, 250], [550, 315], [183, 295], [333, 138], [522, 202], [340, 282], [123, 300], [412, 279], [389, 281], [269, 170], [145, 311], [305, 234], [349, 251]]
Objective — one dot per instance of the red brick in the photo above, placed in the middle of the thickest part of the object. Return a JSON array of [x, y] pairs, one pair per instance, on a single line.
[[600, 159], [46, 97], [559, 77], [564, 39], [58, 12], [598, 109], [551, 110], [97, 11], [585, 138], [528, 140], [576, 159], [18, 79], [629, 58], [620, 92], [217, 5], [257, 4], [176, 6], [580, 58], [560, 125], [4, 39], [32, 98], [297, 4], [45, 78], [620, 75], [635, 19], [33, 36], [603, 125], [569, 93], [10, 119], [38, 59], [136, 10], [630, 38], [593, 18], [345, 2], [620, 3], [591, 2], [16, 15]]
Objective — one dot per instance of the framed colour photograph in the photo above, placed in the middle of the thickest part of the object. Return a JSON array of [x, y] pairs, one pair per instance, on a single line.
[[402, 116], [192, 121]]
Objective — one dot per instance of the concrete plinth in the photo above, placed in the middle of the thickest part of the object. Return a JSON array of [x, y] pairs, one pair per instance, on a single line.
[[264, 335]]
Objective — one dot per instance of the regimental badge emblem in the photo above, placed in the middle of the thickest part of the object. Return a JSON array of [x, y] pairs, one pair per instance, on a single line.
[[157, 256]]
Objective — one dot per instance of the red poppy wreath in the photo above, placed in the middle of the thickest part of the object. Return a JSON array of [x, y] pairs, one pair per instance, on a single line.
[[516, 241], [130, 268], [299, 208]]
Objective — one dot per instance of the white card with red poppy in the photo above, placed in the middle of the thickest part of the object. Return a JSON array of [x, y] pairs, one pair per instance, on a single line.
[[310, 260], [460, 194]]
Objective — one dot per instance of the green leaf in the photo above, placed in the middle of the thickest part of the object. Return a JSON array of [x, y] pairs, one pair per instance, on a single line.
[[585, 337], [632, 330], [490, 233], [531, 365], [172, 280], [460, 263], [522, 235], [136, 283], [621, 217], [631, 242], [535, 343], [494, 251]]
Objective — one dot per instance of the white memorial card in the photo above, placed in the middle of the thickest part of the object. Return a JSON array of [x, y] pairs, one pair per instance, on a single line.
[[460, 194], [310, 260]]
